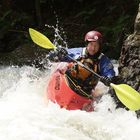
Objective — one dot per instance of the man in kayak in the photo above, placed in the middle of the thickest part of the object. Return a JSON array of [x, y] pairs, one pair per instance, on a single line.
[[91, 57]]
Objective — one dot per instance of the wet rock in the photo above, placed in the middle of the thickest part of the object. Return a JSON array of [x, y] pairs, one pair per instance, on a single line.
[[129, 62]]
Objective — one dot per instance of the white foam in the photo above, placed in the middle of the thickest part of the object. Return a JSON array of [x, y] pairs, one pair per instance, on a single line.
[[25, 116]]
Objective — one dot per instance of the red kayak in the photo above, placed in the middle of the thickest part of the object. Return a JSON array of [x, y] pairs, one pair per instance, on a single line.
[[58, 91]]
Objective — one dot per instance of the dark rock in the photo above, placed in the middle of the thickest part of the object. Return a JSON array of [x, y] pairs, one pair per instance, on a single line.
[[129, 61]]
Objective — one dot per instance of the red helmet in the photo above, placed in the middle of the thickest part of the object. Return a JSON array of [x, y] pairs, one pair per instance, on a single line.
[[94, 36]]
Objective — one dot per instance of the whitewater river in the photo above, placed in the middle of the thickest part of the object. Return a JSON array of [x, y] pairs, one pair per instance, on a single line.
[[25, 114]]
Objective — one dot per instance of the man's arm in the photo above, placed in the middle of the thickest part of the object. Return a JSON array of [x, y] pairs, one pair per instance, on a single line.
[[62, 54], [106, 69]]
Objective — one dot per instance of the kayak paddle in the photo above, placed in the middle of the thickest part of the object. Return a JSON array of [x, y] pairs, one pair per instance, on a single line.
[[40, 39], [126, 94]]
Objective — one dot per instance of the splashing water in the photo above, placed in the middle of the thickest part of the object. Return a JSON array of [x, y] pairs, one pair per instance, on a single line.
[[25, 114], [59, 32]]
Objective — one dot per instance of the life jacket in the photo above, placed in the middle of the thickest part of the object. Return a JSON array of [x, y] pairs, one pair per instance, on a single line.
[[80, 75]]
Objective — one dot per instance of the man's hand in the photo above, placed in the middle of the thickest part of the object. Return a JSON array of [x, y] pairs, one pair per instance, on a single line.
[[106, 80], [62, 51], [58, 54], [53, 56]]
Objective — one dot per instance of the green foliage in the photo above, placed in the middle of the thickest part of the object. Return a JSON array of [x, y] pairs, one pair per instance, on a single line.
[[85, 13], [76, 17], [5, 15], [115, 35], [11, 34], [12, 20], [4, 25]]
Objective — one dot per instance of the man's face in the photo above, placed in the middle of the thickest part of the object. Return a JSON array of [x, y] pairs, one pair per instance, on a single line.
[[93, 47]]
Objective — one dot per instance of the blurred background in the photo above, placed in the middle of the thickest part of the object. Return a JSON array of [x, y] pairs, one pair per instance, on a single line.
[[71, 18]]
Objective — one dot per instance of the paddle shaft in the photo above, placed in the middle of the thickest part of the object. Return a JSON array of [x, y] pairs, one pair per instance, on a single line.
[[87, 68]]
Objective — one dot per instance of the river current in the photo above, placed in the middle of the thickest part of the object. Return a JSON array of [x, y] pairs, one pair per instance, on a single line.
[[25, 113]]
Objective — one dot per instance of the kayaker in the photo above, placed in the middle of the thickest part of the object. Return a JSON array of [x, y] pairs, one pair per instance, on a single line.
[[90, 56]]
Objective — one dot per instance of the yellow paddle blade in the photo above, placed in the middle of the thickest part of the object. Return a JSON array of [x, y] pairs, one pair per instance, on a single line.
[[128, 96], [41, 39]]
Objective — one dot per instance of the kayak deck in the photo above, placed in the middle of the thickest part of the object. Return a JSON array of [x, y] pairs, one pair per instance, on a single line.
[[58, 91]]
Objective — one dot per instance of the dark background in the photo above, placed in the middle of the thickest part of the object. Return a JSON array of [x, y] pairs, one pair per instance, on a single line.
[[114, 18]]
